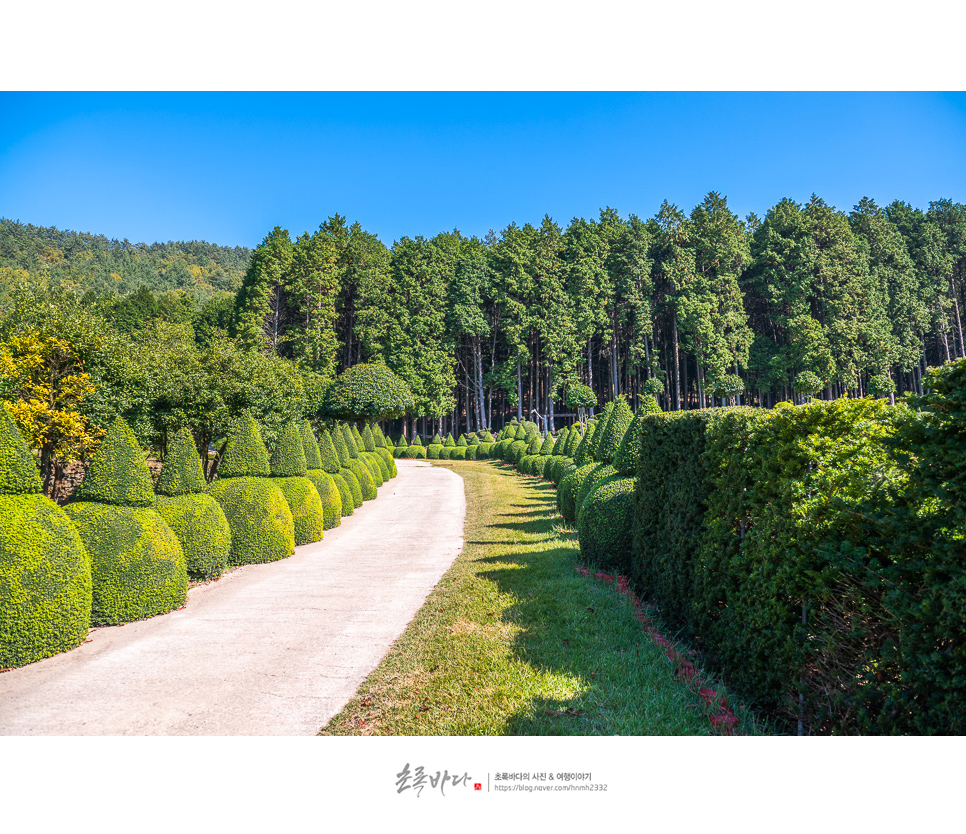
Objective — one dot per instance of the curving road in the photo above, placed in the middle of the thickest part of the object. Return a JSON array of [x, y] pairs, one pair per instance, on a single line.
[[271, 650]]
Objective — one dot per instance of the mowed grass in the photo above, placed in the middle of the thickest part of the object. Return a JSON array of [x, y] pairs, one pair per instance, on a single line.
[[513, 641]]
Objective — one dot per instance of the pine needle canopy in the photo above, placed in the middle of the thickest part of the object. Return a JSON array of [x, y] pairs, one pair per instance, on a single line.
[[118, 473], [182, 473]]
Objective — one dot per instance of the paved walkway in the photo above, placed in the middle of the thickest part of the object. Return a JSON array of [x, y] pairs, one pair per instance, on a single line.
[[270, 650]]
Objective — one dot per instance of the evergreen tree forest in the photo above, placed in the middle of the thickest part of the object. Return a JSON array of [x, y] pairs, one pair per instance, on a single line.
[[700, 308]]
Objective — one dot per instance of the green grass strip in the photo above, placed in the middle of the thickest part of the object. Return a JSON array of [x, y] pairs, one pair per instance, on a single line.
[[513, 641]]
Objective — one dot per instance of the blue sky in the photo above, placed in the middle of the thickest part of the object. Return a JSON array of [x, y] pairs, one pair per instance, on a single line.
[[227, 167]]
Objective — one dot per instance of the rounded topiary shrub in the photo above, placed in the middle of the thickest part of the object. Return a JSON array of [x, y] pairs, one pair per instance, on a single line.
[[604, 528], [567, 492], [471, 451], [138, 567], [45, 572], [547, 466], [563, 467], [195, 518], [364, 476], [457, 453], [597, 474], [433, 451], [399, 449], [262, 526]]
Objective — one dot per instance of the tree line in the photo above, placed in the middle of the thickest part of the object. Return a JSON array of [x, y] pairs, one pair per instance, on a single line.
[[699, 309]]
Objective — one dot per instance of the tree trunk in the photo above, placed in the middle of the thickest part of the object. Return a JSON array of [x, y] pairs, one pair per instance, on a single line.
[[677, 366]]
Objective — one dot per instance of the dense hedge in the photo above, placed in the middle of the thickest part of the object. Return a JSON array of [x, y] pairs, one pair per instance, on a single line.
[[18, 471], [807, 550], [567, 491]]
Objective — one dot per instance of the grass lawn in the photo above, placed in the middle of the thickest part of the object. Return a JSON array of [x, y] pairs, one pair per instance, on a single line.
[[513, 641]]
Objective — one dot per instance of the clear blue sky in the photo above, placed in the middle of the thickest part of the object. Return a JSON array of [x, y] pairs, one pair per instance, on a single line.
[[227, 167]]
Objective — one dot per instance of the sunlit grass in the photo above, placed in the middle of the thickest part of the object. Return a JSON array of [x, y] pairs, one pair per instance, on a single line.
[[512, 641]]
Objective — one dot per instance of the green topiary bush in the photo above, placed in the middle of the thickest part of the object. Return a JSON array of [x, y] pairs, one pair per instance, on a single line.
[[368, 441], [567, 492], [372, 464], [436, 441], [471, 451], [457, 453], [573, 440], [346, 471], [604, 525], [563, 467], [599, 474], [387, 459], [45, 572], [462, 441], [581, 454], [322, 481], [194, 517], [433, 451], [332, 467], [288, 467], [245, 454], [619, 421], [138, 567], [262, 526]]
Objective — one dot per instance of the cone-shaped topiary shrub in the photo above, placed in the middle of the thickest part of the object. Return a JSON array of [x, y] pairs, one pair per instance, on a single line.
[[332, 467], [520, 433], [387, 459], [472, 440], [546, 448], [195, 518], [138, 568], [576, 435], [598, 435], [449, 442], [262, 527], [436, 441], [378, 437], [515, 452], [548, 462], [401, 445], [604, 528], [350, 440], [582, 454], [325, 485], [462, 441], [567, 492], [619, 421], [45, 573], [561, 442], [372, 464], [367, 483], [368, 441], [288, 467], [348, 475]]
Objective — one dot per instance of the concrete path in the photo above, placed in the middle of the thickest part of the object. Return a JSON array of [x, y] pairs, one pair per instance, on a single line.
[[270, 650]]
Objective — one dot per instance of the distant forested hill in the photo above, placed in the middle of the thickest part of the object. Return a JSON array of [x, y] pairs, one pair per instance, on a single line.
[[95, 264]]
